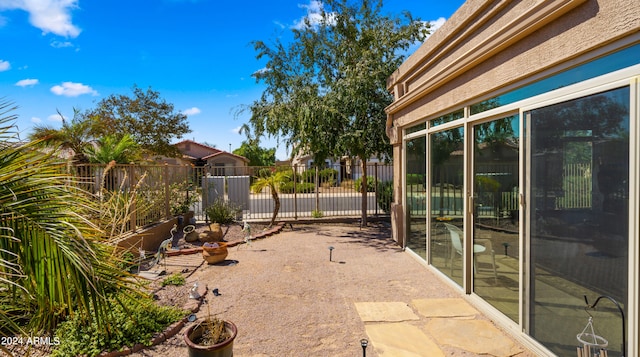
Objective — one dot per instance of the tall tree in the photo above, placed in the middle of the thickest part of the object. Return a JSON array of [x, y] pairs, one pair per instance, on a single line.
[[148, 118], [326, 90]]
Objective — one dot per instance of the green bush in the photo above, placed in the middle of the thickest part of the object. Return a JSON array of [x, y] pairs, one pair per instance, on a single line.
[[136, 320], [385, 195], [370, 184], [415, 179], [326, 176], [222, 212], [174, 279], [303, 187]]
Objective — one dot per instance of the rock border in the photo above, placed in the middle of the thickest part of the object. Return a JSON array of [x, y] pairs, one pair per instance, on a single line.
[[265, 233]]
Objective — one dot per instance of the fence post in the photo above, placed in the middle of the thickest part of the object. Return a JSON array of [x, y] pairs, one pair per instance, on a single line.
[[295, 192], [375, 182], [167, 209], [317, 180], [133, 218]]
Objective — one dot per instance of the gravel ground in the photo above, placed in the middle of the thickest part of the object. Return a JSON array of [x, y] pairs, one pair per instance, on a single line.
[[288, 299]]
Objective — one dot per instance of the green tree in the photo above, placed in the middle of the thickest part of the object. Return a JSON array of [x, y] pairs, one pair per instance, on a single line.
[[54, 261], [75, 135], [326, 91], [148, 118], [257, 156], [110, 148]]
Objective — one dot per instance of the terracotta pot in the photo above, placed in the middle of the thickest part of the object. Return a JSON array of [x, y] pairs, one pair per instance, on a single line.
[[215, 255], [223, 349]]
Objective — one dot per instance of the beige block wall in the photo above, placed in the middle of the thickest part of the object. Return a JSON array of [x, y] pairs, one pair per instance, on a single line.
[[436, 79]]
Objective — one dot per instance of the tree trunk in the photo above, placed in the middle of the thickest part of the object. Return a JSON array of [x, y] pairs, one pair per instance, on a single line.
[[364, 189], [276, 206]]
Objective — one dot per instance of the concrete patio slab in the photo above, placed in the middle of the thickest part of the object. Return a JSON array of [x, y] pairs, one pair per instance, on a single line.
[[452, 308], [476, 336], [401, 339], [385, 312]]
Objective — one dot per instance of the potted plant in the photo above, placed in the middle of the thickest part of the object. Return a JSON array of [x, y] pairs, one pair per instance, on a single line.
[[211, 337]]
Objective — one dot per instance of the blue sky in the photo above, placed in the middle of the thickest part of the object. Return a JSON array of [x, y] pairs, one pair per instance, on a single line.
[[57, 55]]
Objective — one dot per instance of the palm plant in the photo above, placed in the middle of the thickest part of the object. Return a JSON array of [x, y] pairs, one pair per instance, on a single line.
[[54, 262], [74, 135], [273, 182], [109, 148]]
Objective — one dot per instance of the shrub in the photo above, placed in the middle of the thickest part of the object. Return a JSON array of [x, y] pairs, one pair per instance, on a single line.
[[415, 179], [316, 213], [370, 184], [174, 279], [385, 195], [303, 187], [222, 212], [136, 319]]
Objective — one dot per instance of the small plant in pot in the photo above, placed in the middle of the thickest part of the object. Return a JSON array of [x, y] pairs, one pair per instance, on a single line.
[[211, 337]]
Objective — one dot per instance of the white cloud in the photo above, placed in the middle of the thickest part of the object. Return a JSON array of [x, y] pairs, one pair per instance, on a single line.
[[61, 44], [48, 15], [236, 130], [313, 18], [56, 117], [436, 24], [36, 120], [70, 89], [191, 111], [27, 82], [4, 65]]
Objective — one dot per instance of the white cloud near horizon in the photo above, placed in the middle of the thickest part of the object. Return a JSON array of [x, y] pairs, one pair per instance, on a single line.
[[313, 17], [191, 111], [436, 24], [36, 120], [4, 65], [50, 16], [56, 117], [27, 82], [70, 89]]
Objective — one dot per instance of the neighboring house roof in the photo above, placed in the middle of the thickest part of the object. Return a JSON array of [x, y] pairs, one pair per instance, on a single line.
[[224, 153], [202, 151]]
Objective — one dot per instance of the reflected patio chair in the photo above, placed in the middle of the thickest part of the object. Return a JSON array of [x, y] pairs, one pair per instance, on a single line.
[[480, 246]]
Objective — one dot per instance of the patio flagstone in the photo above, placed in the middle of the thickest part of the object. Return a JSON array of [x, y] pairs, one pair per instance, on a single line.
[[401, 339], [385, 312], [457, 308], [478, 336]]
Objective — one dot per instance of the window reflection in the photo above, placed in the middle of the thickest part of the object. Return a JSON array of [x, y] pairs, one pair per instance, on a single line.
[[579, 216], [447, 198], [416, 195], [496, 214]]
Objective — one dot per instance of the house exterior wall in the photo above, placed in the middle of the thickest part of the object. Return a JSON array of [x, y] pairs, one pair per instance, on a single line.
[[489, 49], [487, 46]]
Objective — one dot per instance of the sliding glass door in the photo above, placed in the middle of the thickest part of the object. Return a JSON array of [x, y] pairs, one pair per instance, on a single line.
[[578, 214], [496, 222]]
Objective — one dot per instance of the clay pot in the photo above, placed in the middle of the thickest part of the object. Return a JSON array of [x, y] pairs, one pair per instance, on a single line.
[[223, 349], [190, 234], [214, 255], [213, 235]]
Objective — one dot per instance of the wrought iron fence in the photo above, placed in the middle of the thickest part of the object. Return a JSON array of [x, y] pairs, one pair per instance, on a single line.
[[163, 191]]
